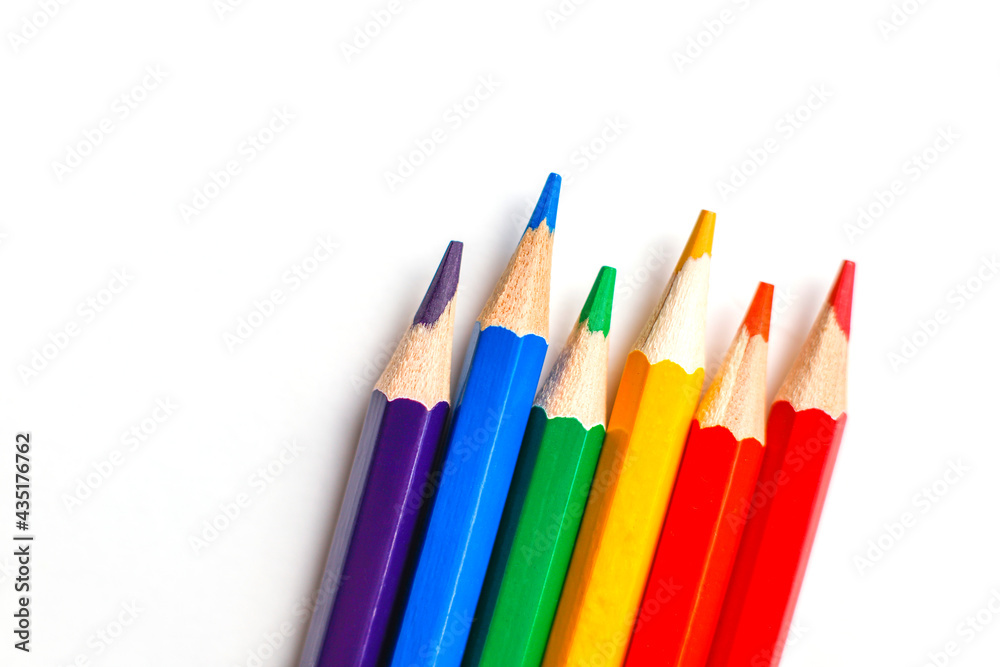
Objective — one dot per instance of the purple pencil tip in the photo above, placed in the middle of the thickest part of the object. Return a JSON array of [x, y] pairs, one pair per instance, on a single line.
[[443, 286]]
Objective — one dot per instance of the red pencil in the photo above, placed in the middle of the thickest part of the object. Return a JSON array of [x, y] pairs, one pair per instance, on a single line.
[[803, 436], [699, 539]]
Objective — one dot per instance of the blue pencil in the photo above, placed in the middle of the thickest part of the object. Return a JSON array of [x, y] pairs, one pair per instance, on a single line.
[[496, 392]]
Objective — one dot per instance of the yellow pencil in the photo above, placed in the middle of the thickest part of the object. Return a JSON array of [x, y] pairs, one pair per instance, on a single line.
[[656, 399]]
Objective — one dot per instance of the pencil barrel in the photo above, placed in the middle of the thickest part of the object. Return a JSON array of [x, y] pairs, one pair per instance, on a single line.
[[346, 520], [475, 477], [701, 534], [772, 558], [384, 533], [544, 509], [642, 451]]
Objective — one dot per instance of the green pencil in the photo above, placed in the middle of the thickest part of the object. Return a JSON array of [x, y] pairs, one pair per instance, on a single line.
[[547, 497]]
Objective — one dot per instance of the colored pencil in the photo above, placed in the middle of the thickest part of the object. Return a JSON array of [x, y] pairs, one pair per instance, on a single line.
[[803, 435], [500, 377], [547, 496], [687, 582], [647, 430], [376, 529]]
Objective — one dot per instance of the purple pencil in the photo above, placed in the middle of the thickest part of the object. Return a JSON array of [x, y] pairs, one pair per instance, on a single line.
[[387, 486]]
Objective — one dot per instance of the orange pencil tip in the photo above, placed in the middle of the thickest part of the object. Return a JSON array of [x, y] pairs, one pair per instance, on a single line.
[[841, 296], [758, 317], [700, 241]]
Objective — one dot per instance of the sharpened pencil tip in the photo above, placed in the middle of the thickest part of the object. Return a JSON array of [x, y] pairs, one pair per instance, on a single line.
[[548, 203], [442, 288], [758, 317], [597, 309], [700, 241], [841, 296]]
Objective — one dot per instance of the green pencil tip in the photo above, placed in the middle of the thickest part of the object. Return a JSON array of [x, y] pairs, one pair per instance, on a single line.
[[597, 310]]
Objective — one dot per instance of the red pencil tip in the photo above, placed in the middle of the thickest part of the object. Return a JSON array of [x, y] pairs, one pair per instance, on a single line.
[[758, 317], [841, 296]]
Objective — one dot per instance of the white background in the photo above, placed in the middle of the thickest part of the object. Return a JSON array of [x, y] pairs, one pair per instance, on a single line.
[[306, 372]]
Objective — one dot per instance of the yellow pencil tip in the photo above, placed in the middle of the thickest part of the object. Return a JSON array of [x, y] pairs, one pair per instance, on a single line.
[[700, 241]]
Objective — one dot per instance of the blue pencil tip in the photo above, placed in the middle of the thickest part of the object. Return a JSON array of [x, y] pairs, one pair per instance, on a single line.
[[548, 203]]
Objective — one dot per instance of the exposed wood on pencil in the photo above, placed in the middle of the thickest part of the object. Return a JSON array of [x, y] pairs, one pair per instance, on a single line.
[[736, 397], [420, 367], [574, 387], [818, 378], [520, 301], [676, 328]]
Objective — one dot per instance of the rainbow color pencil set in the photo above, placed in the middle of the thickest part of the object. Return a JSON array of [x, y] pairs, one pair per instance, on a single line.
[[558, 535]]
